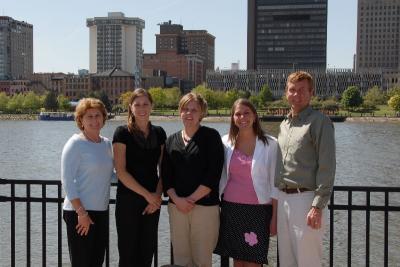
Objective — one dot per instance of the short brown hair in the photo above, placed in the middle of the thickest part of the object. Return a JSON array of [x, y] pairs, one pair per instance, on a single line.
[[132, 127], [299, 76], [196, 97], [85, 104]]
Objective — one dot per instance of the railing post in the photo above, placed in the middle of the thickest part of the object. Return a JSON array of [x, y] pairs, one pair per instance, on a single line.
[[12, 225], [331, 229], [349, 221], [59, 225], [28, 225], [44, 225], [367, 228], [386, 230]]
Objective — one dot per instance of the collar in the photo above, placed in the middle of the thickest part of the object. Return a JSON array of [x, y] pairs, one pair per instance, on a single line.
[[302, 115]]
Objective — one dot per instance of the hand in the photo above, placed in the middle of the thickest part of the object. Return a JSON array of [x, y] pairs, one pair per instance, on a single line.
[[154, 199], [273, 227], [84, 222], [184, 205], [150, 209], [314, 218]]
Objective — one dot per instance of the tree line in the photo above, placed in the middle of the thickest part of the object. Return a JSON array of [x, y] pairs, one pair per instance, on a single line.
[[351, 100]]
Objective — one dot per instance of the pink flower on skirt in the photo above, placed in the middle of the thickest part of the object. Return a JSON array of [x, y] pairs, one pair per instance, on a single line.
[[251, 238]]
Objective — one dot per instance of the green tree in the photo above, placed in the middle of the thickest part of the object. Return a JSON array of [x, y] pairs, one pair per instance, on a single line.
[[124, 99], [374, 97], [172, 97], [31, 102], [63, 103], [50, 101], [255, 100], [281, 103], [394, 91], [265, 94], [394, 102], [15, 103], [3, 101], [208, 94], [316, 102], [219, 98], [159, 97], [330, 104], [351, 98], [231, 96], [106, 101]]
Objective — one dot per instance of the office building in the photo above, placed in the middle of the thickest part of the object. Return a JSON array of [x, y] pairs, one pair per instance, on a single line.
[[378, 29], [173, 38], [328, 83], [115, 42], [16, 49], [286, 34]]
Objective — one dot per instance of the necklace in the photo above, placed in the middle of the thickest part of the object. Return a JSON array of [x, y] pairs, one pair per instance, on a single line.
[[90, 139], [185, 139]]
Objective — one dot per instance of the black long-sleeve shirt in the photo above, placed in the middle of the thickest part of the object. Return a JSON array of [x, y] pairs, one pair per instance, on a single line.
[[200, 162]]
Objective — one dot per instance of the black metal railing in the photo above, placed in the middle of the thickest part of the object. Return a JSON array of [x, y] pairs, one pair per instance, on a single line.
[[8, 194]]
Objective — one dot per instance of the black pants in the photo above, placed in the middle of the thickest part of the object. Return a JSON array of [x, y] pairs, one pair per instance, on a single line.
[[89, 250], [137, 233]]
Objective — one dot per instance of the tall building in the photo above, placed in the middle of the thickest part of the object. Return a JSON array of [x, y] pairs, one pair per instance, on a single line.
[[16, 49], [115, 42], [378, 28], [283, 34], [174, 38]]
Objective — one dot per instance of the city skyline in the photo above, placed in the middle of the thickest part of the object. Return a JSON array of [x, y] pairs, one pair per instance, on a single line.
[[61, 39]]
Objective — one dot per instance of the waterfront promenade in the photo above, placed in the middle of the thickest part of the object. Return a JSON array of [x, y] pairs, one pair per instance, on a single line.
[[367, 155]]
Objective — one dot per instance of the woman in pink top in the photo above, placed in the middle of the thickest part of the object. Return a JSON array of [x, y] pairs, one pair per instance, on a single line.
[[248, 208]]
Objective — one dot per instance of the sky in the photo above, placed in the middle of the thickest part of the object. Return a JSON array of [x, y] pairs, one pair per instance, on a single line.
[[61, 38]]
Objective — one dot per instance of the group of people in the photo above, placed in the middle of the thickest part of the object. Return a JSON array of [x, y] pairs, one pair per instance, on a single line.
[[226, 195]]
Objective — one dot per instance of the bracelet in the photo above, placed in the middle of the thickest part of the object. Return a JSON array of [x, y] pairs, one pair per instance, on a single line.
[[84, 215], [81, 210]]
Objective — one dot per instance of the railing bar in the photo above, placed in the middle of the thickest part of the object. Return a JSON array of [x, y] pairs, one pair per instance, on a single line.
[[44, 225], [349, 221], [367, 229], [28, 226], [331, 230], [386, 242], [12, 226], [59, 226]]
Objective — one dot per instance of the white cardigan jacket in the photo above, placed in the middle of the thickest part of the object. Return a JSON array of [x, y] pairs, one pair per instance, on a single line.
[[262, 168]]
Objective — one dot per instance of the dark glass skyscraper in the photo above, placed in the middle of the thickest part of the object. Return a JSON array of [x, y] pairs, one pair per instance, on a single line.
[[285, 34]]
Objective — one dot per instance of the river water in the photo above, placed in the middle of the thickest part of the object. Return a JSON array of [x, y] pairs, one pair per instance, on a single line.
[[367, 155]]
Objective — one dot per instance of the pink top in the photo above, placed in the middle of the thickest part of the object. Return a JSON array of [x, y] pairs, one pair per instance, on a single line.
[[239, 188]]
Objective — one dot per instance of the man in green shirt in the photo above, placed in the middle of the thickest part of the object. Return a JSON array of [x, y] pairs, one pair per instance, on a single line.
[[304, 176]]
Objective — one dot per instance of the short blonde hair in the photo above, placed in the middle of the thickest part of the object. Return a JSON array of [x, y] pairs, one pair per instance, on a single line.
[[299, 76], [195, 97], [85, 104]]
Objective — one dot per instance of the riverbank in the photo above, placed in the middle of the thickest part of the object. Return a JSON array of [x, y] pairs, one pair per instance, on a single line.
[[18, 117], [22, 117], [227, 119]]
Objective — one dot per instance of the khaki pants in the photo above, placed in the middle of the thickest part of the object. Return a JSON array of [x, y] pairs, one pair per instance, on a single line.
[[194, 235], [299, 244]]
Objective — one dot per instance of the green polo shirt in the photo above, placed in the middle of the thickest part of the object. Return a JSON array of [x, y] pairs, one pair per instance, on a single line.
[[307, 153]]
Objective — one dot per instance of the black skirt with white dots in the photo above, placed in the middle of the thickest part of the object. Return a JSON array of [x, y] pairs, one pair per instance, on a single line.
[[244, 232]]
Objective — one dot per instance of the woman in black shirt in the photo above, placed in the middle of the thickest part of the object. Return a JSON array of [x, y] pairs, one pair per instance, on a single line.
[[138, 148], [192, 167]]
